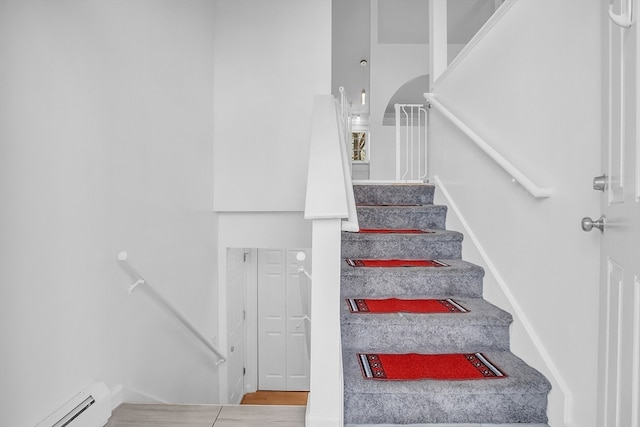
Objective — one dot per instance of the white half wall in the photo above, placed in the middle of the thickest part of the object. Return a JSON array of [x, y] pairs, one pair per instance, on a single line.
[[106, 137], [531, 88], [271, 59]]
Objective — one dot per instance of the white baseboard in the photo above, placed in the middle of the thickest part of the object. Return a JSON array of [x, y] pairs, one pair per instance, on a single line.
[[120, 395]]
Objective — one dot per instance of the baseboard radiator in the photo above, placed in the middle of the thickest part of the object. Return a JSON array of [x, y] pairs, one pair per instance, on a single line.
[[89, 408]]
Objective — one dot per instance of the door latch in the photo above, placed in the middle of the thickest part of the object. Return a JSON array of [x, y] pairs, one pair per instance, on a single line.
[[600, 183]]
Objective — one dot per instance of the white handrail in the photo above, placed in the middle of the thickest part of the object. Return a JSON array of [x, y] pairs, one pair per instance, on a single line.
[[122, 257], [624, 20], [522, 179]]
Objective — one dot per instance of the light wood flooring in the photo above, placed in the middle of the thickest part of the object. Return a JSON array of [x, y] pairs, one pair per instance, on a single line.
[[262, 408], [161, 415], [275, 398]]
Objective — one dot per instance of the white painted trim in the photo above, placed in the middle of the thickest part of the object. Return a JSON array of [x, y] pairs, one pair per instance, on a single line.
[[116, 396], [518, 311], [122, 394], [482, 32]]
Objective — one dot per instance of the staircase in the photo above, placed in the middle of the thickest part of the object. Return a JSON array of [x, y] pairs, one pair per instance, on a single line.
[[520, 397]]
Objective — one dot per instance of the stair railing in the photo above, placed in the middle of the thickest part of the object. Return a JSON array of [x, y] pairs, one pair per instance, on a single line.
[[326, 205], [516, 174], [411, 137], [344, 123], [139, 280], [344, 108]]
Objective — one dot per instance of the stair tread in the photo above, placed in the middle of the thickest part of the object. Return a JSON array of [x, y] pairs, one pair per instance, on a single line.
[[423, 216], [400, 193], [520, 378], [455, 266], [429, 235], [480, 312], [434, 243]]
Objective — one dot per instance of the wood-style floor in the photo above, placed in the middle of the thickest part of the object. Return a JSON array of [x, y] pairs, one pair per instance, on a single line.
[[260, 409], [161, 415], [275, 398]]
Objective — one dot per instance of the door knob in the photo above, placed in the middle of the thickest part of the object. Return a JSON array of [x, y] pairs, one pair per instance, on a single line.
[[588, 224], [600, 183]]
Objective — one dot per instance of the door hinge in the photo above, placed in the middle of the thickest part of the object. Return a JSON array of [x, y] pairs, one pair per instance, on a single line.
[[244, 371], [244, 314]]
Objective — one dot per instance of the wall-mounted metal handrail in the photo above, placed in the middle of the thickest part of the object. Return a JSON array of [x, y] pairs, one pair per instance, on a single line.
[[140, 280], [625, 19], [522, 179]]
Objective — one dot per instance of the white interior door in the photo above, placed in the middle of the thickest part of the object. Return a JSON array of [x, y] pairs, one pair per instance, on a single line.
[[619, 379], [236, 285], [283, 363]]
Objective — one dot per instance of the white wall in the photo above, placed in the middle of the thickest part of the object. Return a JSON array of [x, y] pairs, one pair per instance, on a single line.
[[106, 145], [392, 65], [271, 58], [534, 95]]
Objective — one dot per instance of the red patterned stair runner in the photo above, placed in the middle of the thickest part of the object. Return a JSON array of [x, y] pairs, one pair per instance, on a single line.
[[394, 231], [395, 263], [413, 366], [396, 305]]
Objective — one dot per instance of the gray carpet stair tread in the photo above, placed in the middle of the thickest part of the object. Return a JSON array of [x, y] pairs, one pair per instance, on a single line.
[[520, 377], [518, 398], [421, 217], [480, 312], [434, 244], [484, 327], [459, 279], [421, 194]]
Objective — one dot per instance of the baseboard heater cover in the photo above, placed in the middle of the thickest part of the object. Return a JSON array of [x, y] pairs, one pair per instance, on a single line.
[[89, 408]]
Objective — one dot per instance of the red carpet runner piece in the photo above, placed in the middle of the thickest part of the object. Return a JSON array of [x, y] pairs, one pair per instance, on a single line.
[[428, 366], [395, 305], [395, 263], [394, 231]]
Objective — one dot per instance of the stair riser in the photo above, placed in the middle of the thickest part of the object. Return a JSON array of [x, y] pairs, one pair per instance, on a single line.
[[423, 217], [452, 408], [424, 338], [402, 247], [411, 285], [394, 194]]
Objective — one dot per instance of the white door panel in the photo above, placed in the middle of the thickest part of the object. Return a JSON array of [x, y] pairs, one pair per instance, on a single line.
[[282, 351], [619, 378], [271, 320]]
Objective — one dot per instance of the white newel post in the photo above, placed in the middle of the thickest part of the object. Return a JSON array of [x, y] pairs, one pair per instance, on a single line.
[[325, 402]]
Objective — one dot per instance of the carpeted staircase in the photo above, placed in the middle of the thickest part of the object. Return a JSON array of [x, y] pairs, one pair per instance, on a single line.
[[519, 397]]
